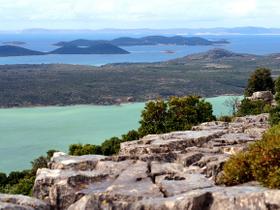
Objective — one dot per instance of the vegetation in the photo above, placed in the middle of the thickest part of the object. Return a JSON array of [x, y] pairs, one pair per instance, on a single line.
[[261, 162], [205, 74], [249, 107], [175, 114], [148, 40], [21, 182], [274, 117], [157, 117], [260, 80]]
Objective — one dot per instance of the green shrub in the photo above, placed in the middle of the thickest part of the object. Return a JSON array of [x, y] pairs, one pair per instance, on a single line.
[[248, 107], [3, 179], [111, 146], [21, 182], [274, 116], [225, 118], [236, 170], [277, 89], [261, 162], [87, 149], [178, 113], [260, 80], [131, 135]]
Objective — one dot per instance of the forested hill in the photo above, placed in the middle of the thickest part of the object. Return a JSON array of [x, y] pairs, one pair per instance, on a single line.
[[148, 40], [213, 73]]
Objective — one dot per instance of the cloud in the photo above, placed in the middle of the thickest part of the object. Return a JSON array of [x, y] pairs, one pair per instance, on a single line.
[[136, 13]]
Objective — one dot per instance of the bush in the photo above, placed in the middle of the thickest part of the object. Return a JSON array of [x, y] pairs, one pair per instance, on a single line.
[[236, 170], [277, 89], [248, 107], [225, 118], [274, 116], [261, 162], [153, 118], [131, 135], [87, 149], [260, 80], [178, 113], [21, 182]]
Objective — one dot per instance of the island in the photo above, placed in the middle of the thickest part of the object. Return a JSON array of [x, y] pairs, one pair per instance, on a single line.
[[96, 48], [9, 50], [14, 43], [148, 40], [213, 73]]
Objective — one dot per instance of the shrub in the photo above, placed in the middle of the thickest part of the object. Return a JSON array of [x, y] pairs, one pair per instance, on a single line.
[[277, 89], [178, 113], [274, 116], [248, 107], [225, 118], [260, 80], [87, 149], [3, 179], [236, 170], [261, 162], [111, 146], [131, 135], [153, 118], [21, 182]]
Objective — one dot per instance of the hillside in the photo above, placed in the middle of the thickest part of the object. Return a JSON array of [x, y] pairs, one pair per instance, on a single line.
[[148, 40], [221, 73], [97, 48], [8, 50]]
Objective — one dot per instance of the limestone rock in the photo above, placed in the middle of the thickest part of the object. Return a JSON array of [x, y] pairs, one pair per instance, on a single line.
[[262, 95], [20, 202], [176, 170]]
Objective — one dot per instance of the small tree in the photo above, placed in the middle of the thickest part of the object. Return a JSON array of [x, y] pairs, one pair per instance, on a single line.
[[153, 118], [260, 80], [232, 103], [277, 89]]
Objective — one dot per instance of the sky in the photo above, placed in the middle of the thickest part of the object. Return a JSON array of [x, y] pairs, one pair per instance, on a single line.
[[98, 14]]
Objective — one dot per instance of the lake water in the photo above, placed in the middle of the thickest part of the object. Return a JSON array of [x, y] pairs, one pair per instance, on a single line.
[[27, 133], [243, 44]]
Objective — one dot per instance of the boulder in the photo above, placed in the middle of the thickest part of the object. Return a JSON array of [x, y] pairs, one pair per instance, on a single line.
[[20, 202], [266, 96]]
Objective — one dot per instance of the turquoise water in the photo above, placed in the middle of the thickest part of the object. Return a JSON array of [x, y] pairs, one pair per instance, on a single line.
[[27, 133]]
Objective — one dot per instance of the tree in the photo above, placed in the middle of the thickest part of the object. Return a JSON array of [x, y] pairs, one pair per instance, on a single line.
[[277, 89], [131, 135], [233, 104], [153, 118], [178, 113], [260, 80]]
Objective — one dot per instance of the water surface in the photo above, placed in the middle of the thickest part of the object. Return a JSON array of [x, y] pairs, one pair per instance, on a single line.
[[27, 133]]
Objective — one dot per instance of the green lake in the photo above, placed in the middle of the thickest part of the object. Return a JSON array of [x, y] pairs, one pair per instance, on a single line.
[[26, 133]]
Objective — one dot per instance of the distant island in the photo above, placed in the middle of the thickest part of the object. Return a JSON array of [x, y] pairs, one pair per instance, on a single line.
[[213, 73], [9, 50], [144, 41], [98, 48], [14, 43]]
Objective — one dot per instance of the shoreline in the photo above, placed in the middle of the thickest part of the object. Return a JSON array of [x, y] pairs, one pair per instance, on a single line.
[[100, 105]]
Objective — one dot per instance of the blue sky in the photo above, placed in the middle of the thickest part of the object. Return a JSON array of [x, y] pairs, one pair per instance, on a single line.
[[97, 14]]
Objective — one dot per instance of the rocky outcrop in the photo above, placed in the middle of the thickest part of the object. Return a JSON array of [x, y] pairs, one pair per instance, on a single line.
[[266, 96], [177, 170], [20, 202]]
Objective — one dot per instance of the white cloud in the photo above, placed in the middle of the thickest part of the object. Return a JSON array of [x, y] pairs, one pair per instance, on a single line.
[[136, 13]]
